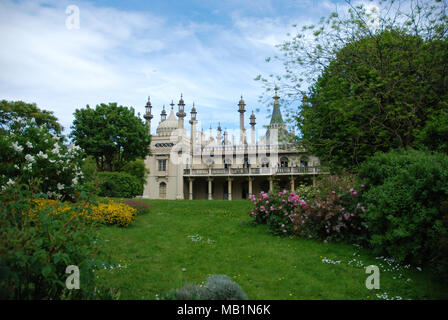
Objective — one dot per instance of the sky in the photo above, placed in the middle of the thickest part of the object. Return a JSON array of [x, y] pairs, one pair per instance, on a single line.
[[124, 51]]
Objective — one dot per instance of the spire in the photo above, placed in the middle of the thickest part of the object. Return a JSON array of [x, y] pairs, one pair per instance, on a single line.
[[252, 119], [193, 114], [276, 117], [241, 105], [148, 115], [163, 114]]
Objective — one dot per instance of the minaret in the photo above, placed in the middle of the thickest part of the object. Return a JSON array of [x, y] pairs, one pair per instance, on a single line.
[[148, 115], [241, 110], [181, 113], [252, 129], [163, 114], [219, 135], [193, 122]]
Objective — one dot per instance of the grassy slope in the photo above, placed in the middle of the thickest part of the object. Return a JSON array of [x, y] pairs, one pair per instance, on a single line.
[[157, 247]]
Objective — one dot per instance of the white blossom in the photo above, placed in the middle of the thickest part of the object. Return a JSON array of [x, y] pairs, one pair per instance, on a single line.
[[29, 144], [17, 147], [60, 186], [29, 158]]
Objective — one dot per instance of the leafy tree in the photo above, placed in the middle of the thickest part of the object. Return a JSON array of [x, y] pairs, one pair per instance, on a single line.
[[369, 80], [10, 110], [112, 134]]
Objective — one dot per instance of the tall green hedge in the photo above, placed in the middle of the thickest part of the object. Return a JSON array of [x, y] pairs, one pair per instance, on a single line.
[[405, 192], [119, 184]]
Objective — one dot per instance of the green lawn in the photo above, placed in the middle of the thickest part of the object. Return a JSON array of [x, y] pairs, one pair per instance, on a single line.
[[186, 241]]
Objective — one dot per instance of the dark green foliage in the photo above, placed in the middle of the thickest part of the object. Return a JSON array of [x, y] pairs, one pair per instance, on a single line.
[[10, 110], [119, 184], [112, 134], [382, 92], [217, 287], [378, 78], [405, 190], [34, 252], [88, 168], [137, 169]]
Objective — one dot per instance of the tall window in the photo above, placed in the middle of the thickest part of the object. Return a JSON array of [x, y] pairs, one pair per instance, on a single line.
[[284, 162], [162, 165]]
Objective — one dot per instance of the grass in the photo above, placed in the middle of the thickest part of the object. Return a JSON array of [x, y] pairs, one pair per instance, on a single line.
[[186, 241]]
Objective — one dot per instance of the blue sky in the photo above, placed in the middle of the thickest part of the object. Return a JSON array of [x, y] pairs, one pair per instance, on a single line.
[[126, 50]]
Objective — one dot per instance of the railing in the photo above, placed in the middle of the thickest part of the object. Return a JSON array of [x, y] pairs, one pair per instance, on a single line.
[[255, 171]]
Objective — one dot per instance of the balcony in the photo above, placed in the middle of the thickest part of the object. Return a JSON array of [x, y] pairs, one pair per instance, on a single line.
[[264, 171]]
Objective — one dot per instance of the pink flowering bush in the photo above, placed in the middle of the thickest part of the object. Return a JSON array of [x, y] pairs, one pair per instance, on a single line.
[[276, 209], [337, 216]]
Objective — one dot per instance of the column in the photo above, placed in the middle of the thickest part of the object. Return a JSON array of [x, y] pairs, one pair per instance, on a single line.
[[292, 183], [271, 185], [250, 186], [190, 181], [210, 195], [229, 180]]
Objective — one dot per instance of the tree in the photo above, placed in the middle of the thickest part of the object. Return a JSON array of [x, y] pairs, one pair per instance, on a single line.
[[112, 134], [10, 110], [377, 80]]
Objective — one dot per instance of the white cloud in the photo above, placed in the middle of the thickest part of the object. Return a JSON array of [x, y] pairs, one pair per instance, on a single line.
[[124, 56]]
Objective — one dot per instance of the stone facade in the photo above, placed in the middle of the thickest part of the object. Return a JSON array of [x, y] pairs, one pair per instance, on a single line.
[[212, 166]]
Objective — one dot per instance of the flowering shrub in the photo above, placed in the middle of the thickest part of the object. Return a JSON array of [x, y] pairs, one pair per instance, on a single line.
[[35, 251], [111, 212], [30, 151], [140, 206], [337, 216], [276, 210]]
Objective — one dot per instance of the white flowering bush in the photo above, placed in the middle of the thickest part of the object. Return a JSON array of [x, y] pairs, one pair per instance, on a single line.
[[31, 153]]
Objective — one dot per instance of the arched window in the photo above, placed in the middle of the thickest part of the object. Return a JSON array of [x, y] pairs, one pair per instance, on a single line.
[[162, 190], [283, 162]]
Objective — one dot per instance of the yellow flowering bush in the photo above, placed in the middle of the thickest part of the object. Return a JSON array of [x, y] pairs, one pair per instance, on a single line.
[[110, 212]]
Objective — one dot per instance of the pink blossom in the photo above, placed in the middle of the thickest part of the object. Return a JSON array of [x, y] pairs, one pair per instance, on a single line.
[[272, 208], [286, 213], [262, 208], [283, 225], [325, 241], [352, 214], [363, 186], [363, 209], [284, 231], [280, 208], [342, 209], [346, 216]]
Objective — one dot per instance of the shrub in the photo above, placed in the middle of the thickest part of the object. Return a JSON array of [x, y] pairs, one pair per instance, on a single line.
[[217, 287], [35, 251], [405, 189], [275, 210], [336, 216], [221, 287], [34, 152], [137, 169], [140, 206], [118, 184], [110, 212]]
